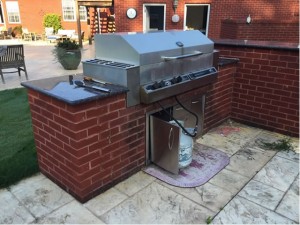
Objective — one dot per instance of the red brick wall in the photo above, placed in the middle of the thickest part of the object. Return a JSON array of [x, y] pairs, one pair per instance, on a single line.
[[85, 147], [32, 14], [219, 11], [258, 9], [262, 30], [218, 105], [266, 88]]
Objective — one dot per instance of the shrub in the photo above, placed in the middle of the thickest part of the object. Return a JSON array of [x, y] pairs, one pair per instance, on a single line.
[[17, 30], [52, 20]]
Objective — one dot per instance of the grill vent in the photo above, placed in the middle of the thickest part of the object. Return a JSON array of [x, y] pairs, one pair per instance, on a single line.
[[110, 63]]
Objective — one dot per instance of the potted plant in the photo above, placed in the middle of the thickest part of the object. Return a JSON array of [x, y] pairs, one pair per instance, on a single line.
[[68, 53]]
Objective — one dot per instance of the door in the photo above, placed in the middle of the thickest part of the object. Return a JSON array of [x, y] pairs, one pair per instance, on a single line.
[[197, 17], [154, 17], [164, 144]]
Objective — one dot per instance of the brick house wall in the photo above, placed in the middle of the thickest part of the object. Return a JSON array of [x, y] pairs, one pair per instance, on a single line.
[[261, 30], [32, 14], [219, 11]]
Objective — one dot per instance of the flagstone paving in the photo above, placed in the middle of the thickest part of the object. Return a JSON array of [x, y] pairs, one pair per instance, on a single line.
[[258, 186]]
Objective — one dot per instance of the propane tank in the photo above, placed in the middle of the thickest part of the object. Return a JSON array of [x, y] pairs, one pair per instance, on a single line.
[[186, 145]]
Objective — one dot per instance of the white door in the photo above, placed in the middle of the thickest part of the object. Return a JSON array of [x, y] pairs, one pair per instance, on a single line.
[[197, 17], [154, 17]]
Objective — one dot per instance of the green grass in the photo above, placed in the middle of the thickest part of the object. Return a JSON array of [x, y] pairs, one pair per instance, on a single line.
[[17, 150]]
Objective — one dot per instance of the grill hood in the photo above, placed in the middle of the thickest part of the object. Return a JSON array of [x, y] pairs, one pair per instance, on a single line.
[[148, 48], [140, 60]]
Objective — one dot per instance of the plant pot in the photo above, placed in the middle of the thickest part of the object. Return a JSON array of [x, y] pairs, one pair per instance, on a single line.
[[69, 59]]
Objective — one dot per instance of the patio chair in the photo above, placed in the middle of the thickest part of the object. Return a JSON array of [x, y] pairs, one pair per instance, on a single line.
[[9, 33], [27, 36], [12, 57], [49, 34]]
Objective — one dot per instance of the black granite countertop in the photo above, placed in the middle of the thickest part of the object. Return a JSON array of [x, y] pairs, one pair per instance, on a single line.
[[258, 44], [63, 89], [223, 61]]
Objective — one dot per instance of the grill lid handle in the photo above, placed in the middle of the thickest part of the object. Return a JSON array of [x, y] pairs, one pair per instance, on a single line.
[[168, 58]]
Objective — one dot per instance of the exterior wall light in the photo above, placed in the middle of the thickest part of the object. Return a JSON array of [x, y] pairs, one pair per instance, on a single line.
[[175, 18], [249, 19], [175, 4]]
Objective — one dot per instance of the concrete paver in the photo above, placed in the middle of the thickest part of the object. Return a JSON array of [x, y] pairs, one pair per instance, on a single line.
[[258, 186]]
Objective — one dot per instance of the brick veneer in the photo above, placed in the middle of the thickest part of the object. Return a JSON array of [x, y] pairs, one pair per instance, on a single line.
[[266, 88], [89, 147], [261, 30]]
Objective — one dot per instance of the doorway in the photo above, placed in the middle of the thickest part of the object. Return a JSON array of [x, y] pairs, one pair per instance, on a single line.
[[1, 13], [154, 17], [197, 17]]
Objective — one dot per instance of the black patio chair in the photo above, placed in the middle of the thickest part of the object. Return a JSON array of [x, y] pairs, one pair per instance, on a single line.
[[12, 56]]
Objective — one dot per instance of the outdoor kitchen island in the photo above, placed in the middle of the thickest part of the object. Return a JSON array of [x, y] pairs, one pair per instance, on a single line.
[[86, 140]]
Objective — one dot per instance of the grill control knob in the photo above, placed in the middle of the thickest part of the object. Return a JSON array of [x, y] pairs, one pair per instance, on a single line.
[[176, 80], [162, 83], [168, 83], [155, 85]]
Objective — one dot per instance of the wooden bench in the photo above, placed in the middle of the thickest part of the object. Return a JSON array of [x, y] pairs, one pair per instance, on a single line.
[[12, 56]]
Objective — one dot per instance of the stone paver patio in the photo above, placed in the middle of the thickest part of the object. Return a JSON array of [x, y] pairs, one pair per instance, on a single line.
[[258, 186]]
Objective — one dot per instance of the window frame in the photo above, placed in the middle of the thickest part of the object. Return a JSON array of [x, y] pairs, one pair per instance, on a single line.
[[17, 12], [72, 11]]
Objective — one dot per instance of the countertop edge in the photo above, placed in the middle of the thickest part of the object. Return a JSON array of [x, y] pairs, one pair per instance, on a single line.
[[34, 85], [258, 44]]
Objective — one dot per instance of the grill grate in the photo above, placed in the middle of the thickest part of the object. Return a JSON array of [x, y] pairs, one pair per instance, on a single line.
[[110, 63]]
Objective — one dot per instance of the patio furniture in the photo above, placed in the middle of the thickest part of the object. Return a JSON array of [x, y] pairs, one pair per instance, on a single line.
[[28, 36], [49, 34], [12, 57]]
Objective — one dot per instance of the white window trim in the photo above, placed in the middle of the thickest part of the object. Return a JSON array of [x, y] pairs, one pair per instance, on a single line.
[[74, 12], [7, 12], [208, 15], [85, 19], [144, 14]]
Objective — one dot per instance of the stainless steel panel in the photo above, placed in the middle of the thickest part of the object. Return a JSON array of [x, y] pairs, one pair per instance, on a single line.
[[148, 48], [126, 77], [164, 144], [149, 96], [164, 70]]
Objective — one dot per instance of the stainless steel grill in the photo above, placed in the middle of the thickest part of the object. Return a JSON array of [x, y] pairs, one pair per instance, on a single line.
[[153, 66]]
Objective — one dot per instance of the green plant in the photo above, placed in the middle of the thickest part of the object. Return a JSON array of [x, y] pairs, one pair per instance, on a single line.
[[52, 20], [209, 220], [68, 53], [17, 30], [62, 47], [68, 44], [279, 145]]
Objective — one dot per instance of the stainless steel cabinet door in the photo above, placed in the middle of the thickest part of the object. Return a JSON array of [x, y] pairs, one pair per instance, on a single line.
[[164, 144]]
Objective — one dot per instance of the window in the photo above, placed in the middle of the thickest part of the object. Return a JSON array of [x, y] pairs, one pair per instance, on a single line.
[[69, 14], [13, 13], [68, 8], [154, 17], [82, 13], [197, 17]]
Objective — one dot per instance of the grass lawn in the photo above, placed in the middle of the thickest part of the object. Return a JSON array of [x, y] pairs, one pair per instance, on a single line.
[[17, 150]]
